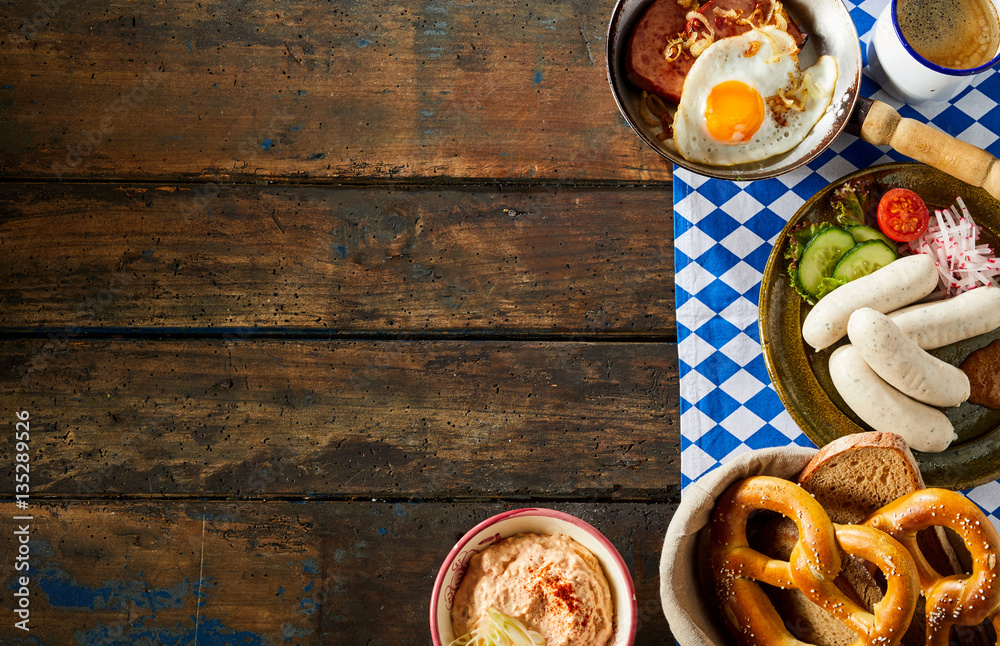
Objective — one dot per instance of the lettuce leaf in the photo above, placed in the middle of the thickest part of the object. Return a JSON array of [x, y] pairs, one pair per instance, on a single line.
[[798, 238], [856, 202]]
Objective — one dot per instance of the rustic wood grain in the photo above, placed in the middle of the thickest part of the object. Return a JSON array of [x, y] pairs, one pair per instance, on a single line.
[[368, 89], [271, 572], [432, 259], [322, 287], [401, 419]]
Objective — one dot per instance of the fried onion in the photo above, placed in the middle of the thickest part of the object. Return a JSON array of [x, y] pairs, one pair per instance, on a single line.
[[777, 15], [653, 109], [695, 43], [790, 98]]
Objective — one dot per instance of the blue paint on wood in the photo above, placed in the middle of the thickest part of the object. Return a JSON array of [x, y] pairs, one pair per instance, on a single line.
[[63, 591], [266, 144], [310, 566], [308, 606]]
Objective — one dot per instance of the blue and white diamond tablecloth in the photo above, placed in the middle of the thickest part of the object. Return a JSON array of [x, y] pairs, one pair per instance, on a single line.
[[723, 234]]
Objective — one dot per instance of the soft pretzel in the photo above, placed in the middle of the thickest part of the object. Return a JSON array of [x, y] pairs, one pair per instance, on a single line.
[[964, 599], [814, 564]]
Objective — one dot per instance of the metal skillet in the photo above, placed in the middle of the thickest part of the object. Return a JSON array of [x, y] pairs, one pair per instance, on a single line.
[[831, 31]]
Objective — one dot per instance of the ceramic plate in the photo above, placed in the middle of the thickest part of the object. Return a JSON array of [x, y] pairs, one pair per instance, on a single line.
[[801, 377]]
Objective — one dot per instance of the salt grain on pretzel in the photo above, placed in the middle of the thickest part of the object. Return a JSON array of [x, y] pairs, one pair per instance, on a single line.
[[812, 567], [964, 599]]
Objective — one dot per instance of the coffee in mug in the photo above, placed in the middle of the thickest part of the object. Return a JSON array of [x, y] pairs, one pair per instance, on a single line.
[[956, 34], [930, 50]]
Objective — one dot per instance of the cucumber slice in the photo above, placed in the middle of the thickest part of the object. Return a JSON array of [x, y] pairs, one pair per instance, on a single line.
[[862, 233], [821, 256], [863, 259]]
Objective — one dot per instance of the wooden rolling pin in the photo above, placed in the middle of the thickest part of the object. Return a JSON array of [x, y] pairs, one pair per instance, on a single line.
[[880, 124]]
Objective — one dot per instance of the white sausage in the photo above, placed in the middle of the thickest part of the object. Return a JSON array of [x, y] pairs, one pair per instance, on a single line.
[[899, 283], [935, 325], [886, 409], [898, 360]]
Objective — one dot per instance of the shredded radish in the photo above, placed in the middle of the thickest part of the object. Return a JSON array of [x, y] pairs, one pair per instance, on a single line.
[[963, 261]]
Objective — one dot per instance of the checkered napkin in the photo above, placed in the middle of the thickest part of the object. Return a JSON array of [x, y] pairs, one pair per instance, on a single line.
[[724, 232]]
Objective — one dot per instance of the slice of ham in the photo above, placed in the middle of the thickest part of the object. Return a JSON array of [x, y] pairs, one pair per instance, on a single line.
[[665, 20], [645, 64]]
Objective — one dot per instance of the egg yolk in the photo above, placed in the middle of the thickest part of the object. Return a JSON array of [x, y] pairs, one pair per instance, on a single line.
[[733, 112]]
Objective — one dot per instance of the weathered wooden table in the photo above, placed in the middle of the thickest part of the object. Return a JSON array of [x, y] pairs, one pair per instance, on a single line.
[[296, 293]]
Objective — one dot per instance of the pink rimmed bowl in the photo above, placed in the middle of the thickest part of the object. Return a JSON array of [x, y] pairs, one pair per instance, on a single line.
[[539, 521]]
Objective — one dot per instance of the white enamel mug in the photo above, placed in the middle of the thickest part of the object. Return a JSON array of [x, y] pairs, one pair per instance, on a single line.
[[896, 66]]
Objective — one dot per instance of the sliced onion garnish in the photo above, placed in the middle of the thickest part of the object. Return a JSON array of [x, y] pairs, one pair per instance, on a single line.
[[774, 47], [656, 106], [694, 43], [698, 17], [644, 112], [674, 48], [963, 261], [498, 629], [726, 13], [776, 15], [700, 45], [794, 98], [653, 109], [749, 20]]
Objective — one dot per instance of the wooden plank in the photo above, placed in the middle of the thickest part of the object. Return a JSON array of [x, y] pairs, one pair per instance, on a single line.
[[400, 419], [268, 573], [375, 89], [337, 259]]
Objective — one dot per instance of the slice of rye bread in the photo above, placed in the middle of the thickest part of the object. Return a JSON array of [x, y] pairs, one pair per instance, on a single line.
[[855, 475]]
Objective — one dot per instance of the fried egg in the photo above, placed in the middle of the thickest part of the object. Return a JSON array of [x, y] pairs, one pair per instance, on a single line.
[[734, 106]]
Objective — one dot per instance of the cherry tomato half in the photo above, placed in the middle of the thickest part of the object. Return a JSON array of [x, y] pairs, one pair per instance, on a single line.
[[902, 215]]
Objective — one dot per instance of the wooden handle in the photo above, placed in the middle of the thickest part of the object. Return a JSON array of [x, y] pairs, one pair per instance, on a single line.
[[884, 127]]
